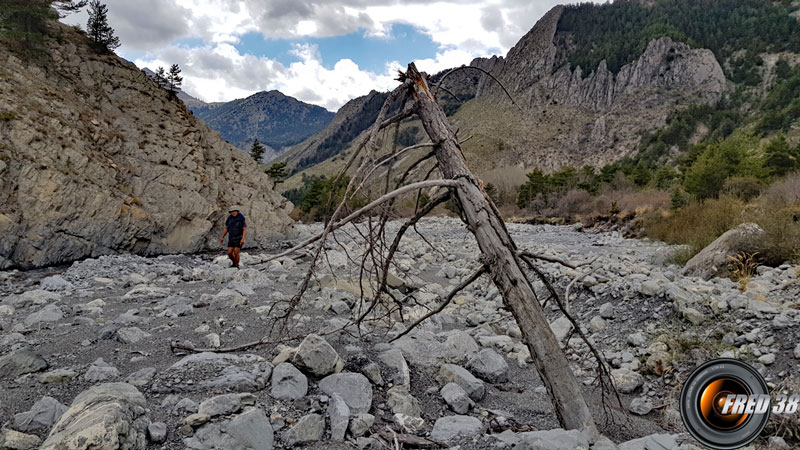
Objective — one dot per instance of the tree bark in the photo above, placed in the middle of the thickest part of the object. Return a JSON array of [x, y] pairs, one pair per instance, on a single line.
[[500, 255]]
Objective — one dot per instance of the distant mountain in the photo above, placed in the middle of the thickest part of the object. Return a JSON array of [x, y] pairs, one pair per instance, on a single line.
[[276, 120]]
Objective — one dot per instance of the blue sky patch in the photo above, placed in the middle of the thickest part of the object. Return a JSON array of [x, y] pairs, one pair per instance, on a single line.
[[405, 44]]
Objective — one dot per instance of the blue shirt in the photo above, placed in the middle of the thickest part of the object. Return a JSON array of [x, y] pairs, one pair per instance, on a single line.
[[236, 225]]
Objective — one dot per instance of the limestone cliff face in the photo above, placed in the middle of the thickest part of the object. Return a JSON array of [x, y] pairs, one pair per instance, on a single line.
[[96, 159], [535, 72], [577, 119]]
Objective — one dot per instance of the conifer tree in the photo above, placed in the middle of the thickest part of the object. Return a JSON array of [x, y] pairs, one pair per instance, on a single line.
[[98, 29], [174, 79], [161, 77], [257, 150]]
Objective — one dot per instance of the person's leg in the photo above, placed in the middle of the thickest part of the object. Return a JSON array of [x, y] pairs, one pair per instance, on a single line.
[[236, 256], [230, 254]]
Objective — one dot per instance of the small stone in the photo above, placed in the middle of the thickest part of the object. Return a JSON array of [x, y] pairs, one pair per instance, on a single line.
[[141, 377], [14, 440], [131, 335], [597, 323], [157, 432], [57, 376], [456, 398], [561, 328], [309, 428], [767, 359], [640, 406], [402, 402], [452, 428], [797, 351], [650, 288], [607, 310], [196, 419], [694, 316], [395, 361], [221, 405], [636, 339], [361, 423], [100, 371], [626, 380], [339, 415]]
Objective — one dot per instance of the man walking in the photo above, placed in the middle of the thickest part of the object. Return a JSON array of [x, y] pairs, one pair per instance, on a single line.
[[236, 229]]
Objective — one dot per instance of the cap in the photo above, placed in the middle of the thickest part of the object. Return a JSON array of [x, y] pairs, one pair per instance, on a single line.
[[234, 208]]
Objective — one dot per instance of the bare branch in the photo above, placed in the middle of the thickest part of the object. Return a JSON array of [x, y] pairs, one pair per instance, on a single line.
[[435, 91], [552, 259], [360, 212], [446, 301]]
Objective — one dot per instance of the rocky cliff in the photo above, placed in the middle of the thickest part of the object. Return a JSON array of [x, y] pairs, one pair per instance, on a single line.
[[535, 72], [97, 159]]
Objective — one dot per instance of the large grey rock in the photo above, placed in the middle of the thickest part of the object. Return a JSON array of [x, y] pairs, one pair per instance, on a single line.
[[316, 356], [451, 373], [157, 432], [107, 416], [460, 347], [396, 363], [421, 352], [714, 260], [308, 429], [288, 383], [20, 362], [249, 430], [354, 388], [489, 366], [55, 283], [41, 416], [162, 185], [452, 428], [49, 314], [339, 415], [557, 439]]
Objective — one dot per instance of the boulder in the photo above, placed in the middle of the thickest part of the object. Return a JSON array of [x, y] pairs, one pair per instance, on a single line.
[[626, 380], [49, 314], [14, 440], [652, 442], [316, 356], [452, 428], [249, 430], [107, 416], [20, 362], [396, 362], [41, 416], [361, 423], [451, 373], [489, 366], [354, 389], [714, 260], [288, 383]]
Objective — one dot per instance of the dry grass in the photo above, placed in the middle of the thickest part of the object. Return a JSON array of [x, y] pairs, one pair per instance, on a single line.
[[743, 268]]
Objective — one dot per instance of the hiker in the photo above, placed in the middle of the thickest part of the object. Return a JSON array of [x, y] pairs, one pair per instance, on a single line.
[[236, 229]]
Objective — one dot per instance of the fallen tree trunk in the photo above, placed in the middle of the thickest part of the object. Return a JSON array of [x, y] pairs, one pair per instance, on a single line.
[[500, 256]]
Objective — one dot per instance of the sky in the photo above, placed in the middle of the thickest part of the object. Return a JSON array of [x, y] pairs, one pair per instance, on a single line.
[[323, 52]]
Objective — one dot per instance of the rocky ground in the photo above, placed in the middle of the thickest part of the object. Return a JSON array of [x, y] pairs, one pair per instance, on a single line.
[[87, 362]]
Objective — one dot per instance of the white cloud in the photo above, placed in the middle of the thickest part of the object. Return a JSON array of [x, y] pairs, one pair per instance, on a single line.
[[216, 71]]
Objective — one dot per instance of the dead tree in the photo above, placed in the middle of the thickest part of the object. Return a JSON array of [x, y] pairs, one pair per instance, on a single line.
[[500, 257]]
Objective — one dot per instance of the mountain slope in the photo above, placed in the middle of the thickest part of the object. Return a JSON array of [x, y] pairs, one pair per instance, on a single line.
[[276, 120], [96, 159]]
